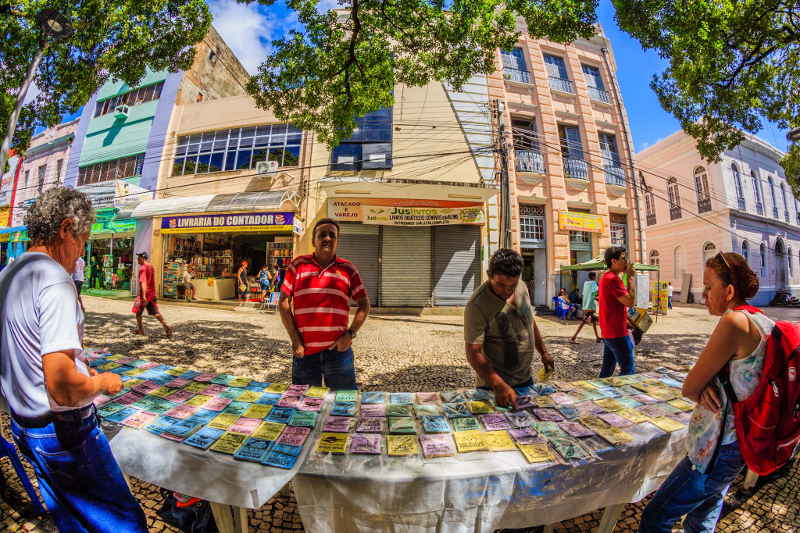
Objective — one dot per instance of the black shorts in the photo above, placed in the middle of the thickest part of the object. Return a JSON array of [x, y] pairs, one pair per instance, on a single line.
[[151, 306], [590, 315], [78, 286]]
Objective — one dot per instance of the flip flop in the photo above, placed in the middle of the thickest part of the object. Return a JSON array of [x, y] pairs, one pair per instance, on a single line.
[[573, 341], [169, 331], [137, 332]]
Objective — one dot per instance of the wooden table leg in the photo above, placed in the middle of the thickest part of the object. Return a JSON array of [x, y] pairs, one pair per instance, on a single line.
[[128, 481], [223, 514], [610, 517], [750, 479], [240, 519]]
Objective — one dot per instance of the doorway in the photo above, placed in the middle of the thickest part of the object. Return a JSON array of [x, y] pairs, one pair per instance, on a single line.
[[534, 274], [781, 277]]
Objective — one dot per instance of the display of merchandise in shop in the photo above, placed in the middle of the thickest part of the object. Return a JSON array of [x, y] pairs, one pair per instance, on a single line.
[[279, 253]]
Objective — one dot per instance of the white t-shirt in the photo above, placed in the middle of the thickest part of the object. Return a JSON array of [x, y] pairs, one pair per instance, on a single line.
[[39, 314], [80, 264], [187, 277], [670, 290]]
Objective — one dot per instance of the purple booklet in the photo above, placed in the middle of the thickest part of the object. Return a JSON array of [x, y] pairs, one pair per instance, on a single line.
[[495, 422], [366, 443], [615, 420], [178, 383], [645, 399], [179, 396], [650, 410], [561, 398], [298, 389], [310, 404], [589, 408], [519, 419], [130, 397], [290, 401], [245, 426], [217, 404], [372, 409], [436, 446], [526, 436], [182, 411], [368, 424], [574, 429], [523, 402], [337, 424], [146, 386], [208, 376], [548, 415], [294, 438], [214, 389], [428, 398], [683, 418]]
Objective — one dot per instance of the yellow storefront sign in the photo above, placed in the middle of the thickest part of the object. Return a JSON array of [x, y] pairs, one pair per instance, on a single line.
[[580, 222]]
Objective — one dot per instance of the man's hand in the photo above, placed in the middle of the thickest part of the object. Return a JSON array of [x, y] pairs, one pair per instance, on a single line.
[[504, 396], [631, 270], [93, 372], [298, 349], [112, 383], [548, 362], [710, 399], [343, 343]]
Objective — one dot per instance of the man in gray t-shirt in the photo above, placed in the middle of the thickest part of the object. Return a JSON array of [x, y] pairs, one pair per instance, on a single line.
[[499, 330]]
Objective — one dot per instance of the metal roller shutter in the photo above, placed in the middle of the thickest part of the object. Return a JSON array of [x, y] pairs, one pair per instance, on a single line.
[[360, 244], [456, 264], [405, 267]]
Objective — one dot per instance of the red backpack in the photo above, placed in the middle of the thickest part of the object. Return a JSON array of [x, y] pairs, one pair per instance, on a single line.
[[768, 422]]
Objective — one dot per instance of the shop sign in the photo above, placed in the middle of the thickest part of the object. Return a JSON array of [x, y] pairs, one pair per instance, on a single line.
[[19, 236], [391, 212], [114, 226], [660, 297], [298, 226], [229, 223], [127, 193], [4, 216], [100, 194], [5, 237], [580, 222]]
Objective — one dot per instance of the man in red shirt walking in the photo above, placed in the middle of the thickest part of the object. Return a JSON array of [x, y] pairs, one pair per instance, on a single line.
[[147, 295], [613, 299], [321, 286]]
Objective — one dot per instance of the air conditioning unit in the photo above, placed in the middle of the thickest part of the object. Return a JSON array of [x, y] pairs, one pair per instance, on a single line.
[[121, 111], [266, 168]]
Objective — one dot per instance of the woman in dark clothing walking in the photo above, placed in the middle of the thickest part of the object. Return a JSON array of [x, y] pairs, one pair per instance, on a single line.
[[241, 281]]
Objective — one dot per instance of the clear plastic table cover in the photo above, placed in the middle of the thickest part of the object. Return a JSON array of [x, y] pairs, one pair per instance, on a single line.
[[477, 491]]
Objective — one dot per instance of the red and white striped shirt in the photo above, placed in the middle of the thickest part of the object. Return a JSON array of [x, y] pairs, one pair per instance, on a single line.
[[322, 299]]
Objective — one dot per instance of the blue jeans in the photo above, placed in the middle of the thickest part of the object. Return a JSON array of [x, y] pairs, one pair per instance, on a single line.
[[81, 483], [620, 351], [336, 366], [689, 492], [669, 302]]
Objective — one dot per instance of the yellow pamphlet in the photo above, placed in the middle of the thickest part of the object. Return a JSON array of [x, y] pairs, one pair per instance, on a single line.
[[198, 400], [470, 441], [223, 421], [332, 443], [536, 453], [401, 445], [662, 394], [609, 405], [584, 385], [131, 383], [162, 392], [667, 424], [240, 382], [228, 443], [499, 441], [613, 435], [268, 431], [544, 401], [176, 371], [316, 392], [479, 407], [592, 421], [544, 375], [257, 411], [280, 388], [633, 415], [249, 396], [115, 357], [681, 404], [133, 373], [195, 387]]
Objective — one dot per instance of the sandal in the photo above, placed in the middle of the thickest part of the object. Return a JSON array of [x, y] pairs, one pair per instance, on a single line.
[[169, 331], [573, 341], [137, 332]]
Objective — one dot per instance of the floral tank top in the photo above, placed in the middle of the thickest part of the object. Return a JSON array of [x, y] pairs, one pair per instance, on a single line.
[[745, 375]]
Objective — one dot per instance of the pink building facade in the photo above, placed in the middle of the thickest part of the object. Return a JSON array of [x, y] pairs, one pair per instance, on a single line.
[[742, 204]]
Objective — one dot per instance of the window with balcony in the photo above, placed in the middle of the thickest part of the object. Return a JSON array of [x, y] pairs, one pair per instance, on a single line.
[[557, 75], [619, 229], [655, 258], [773, 197], [674, 196], [532, 225], [136, 96], [526, 145], [701, 186], [237, 149], [737, 185], [370, 146], [763, 258], [757, 192], [514, 67], [572, 152], [678, 263], [650, 207], [611, 163], [594, 81], [116, 169], [785, 203], [746, 251]]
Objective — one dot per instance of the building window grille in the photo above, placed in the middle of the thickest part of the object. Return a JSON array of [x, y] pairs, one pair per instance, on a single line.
[[136, 96], [116, 169], [703, 193]]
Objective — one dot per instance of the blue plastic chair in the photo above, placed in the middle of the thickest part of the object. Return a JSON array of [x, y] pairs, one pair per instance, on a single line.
[[7, 450]]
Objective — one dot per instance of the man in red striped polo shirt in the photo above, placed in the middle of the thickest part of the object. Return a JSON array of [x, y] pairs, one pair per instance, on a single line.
[[320, 286]]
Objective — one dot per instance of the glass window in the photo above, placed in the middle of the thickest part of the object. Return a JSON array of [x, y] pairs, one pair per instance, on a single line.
[[619, 234], [346, 156], [701, 184], [593, 78], [737, 181], [370, 146], [243, 159], [230, 160], [515, 59], [203, 161], [125, 167], [291, 156], [709, 251], [216, 162], [531, 228], [555, 66], [673, 193], [746, 251], [177, 167], [655, 258], [132, 97]]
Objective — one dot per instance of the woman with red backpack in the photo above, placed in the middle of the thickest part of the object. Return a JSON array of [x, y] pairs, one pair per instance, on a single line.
[[697, 486]]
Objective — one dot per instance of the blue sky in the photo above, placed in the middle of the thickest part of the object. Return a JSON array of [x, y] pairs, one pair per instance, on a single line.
[[249, 29]]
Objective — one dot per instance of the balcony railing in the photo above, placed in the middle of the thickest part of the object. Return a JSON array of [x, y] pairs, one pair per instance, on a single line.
[[742, 206], [600, 95], [774, 212], [759, 208], [529, 161], [704, 205], [651, 220], [520, 76], [614, 175], [786, 216], [675, 213], [576, 168], [561, 84]]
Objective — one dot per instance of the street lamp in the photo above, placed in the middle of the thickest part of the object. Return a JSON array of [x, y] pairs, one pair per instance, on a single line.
[[53, 26], [793, 135]]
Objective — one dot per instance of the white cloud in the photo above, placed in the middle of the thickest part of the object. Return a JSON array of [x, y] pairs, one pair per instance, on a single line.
[[246, 30], [645, 145]]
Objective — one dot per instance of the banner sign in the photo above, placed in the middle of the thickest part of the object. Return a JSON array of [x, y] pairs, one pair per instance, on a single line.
[[230, 223], [390, 212], [660, 294], [580, 222], [4, 216], [127, 193]]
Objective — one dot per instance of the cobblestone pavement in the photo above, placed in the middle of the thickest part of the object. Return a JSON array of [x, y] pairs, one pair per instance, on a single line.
[[394, 353]]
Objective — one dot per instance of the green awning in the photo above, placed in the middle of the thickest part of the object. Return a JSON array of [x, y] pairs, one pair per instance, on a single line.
[[106, 223], [599, 264]]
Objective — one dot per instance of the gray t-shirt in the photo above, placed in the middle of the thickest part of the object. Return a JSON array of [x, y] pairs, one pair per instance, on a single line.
[[504, 330]]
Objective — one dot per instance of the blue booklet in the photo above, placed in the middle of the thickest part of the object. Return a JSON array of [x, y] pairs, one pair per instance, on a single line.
[[259, 386], [232, 393], [160, 424], [401, 398], [269, 398], [542, 389], [183, 428], [452, 396], [279, 460], [191, 374], [476, 395], [456, 410], [280, 415], [237, 408], [203, 415], [343, 409], [119, 416], [253, 450], [610, 392], [435, 424], [204, 437], [288, 449], [372, 397]]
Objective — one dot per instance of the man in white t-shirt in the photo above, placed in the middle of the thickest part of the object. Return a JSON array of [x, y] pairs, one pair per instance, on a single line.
[[188, 276], [78, 278], [45, 380], [670, 290]]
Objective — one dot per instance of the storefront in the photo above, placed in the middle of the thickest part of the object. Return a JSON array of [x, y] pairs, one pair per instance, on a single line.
[[581, 224], [13, 243], [412, 253], [109, 254], [533, 240]]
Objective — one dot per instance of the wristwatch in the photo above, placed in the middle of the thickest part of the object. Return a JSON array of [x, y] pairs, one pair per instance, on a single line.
[[352, 333]]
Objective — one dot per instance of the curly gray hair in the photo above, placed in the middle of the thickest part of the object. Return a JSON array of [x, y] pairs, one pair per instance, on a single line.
[[52, 207]]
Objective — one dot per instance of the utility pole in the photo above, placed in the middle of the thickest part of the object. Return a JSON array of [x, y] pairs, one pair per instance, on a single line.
[[505, 189]]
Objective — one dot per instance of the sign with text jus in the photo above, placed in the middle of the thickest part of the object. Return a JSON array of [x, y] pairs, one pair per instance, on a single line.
[[229, 223], [580, 222], [391, 212]]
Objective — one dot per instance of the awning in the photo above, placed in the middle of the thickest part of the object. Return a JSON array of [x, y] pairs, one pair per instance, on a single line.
[[211, 203], [598, 263], [15, 234]]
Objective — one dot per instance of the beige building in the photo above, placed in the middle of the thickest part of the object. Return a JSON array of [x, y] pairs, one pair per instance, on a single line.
[[571, 161]]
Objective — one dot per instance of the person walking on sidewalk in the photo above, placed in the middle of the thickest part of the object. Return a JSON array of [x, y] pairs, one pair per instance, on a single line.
[[670, 291], [77, 278], [147, 296], [589, 307], [321, 286], [614, 298], [242, 285], [45, 379], [500, 333]]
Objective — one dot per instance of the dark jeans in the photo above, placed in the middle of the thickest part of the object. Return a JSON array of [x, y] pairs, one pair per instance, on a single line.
[[523, 385], [689, 492], [620, 351], [336, 366], [81, 483]]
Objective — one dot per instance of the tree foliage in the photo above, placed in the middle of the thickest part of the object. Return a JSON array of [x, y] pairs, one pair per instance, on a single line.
[[117, 39], [733, 64], [345, 63]]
